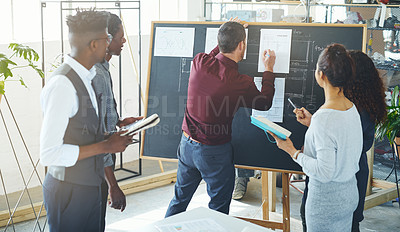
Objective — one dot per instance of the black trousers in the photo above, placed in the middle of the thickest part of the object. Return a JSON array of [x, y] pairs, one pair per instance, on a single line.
[[104, 196], [71, 207]]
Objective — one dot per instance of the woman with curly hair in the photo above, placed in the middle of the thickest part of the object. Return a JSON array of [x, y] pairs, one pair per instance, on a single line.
[[332, 146], [367, 92]]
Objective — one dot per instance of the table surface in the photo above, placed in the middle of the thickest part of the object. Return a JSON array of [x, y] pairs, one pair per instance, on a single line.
[[228, 222]]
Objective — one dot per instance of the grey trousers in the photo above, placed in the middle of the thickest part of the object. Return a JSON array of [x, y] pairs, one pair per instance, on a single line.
[[330, 206], [71, 207]]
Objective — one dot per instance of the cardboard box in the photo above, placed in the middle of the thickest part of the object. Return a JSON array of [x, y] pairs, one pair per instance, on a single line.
[[269, 15], [244, 15]]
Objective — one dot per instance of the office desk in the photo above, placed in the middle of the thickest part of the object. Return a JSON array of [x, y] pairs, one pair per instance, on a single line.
[[230, 223]]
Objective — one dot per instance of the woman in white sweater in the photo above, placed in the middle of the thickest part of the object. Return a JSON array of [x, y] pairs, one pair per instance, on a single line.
[[332, 147]]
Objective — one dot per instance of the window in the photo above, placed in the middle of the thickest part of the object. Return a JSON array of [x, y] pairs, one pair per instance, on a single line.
[[22, 18]]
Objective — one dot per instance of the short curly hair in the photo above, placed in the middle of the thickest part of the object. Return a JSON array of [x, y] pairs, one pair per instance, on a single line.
[[367, 90], [114, 22], [87, 21]]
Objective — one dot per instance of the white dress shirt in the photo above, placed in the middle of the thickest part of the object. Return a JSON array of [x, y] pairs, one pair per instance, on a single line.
[[59, 101], [332, 146]]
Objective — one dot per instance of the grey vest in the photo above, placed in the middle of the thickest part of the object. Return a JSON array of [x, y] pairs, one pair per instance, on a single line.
[[83, 129]]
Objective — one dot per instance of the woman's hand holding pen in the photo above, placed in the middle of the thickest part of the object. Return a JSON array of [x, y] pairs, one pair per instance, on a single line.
[[303, 116]]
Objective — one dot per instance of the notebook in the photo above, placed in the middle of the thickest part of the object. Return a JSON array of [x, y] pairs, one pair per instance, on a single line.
[[267, 125], [141, 125]]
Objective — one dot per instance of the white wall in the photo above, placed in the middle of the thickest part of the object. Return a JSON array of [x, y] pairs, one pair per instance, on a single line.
[[25, 105], [26, 102]]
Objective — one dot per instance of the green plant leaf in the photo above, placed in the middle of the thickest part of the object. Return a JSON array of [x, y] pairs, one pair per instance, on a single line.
[[21, 51], [4, 69], [38, 70], [22, 82], [2, 87], [3, 58], [24, 51], [390, 128]]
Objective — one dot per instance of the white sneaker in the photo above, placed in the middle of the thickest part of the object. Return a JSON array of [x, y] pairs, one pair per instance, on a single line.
[[240, 188], [257, 174]]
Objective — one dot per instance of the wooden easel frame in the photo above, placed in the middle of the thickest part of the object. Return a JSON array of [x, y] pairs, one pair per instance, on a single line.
[[387, 192], [268, 198]]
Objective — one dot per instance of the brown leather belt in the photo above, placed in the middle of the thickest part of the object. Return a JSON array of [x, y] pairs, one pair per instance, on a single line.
[[187, 136]]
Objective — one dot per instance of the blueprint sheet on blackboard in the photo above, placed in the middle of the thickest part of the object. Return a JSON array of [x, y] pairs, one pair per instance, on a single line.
[[275, 113], [279, 40], [174, 41]]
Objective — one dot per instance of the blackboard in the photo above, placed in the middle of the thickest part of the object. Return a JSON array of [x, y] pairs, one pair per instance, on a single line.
[[168, 81]]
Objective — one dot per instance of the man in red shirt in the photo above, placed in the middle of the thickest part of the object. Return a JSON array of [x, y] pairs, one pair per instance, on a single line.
[[216, 91]]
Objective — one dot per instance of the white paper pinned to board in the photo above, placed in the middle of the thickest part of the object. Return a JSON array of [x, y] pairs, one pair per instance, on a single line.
[[174, 41], [279, 40]]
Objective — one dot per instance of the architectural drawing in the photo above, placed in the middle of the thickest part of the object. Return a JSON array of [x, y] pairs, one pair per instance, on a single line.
[[275, 113], [174, 41], [185, 67], [279, 40]]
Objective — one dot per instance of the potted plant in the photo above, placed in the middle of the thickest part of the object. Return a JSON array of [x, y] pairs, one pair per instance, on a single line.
[[8, 65], [390, 128]]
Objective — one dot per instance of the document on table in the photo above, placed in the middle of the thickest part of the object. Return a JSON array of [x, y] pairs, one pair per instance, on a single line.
[[279, 40], [275, 113], [248, 229], [212, 40], [200, 225], [174, 41]]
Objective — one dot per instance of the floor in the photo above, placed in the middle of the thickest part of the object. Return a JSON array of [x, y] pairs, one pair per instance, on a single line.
[[149, 206]]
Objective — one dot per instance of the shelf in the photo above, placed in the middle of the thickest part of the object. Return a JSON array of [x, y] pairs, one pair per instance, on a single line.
[[388, 67], [357, 5], [295, 3], [384, 28], [298, 3]]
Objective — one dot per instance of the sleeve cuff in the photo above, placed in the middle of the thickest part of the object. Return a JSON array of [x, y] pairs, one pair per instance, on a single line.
[[268, 78], [70, 154], [299, 159], [267, 75], [108, 160]]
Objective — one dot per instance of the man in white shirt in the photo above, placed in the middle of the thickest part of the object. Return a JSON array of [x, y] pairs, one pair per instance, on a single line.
[[72, 143]]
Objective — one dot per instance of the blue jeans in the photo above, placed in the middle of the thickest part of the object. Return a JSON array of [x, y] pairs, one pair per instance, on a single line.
[[197, 161], [240, 172]]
